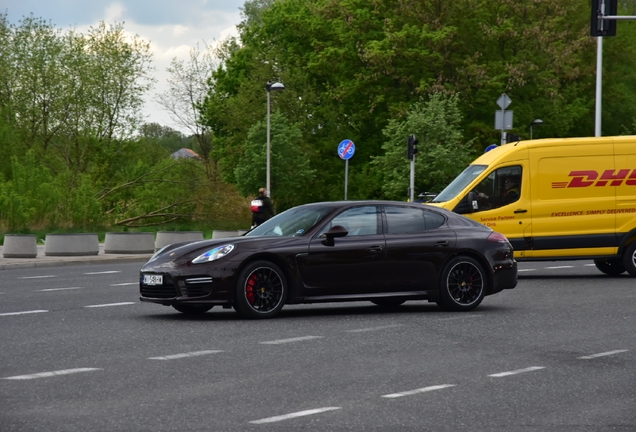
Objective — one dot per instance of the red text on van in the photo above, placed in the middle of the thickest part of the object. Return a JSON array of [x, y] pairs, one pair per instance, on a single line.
[[585, 178]]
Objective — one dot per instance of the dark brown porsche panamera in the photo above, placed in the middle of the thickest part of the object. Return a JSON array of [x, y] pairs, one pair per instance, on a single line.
[[386, 252]]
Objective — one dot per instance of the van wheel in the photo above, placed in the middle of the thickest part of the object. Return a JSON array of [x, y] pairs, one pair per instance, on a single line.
[[612, 267], [629, 259]]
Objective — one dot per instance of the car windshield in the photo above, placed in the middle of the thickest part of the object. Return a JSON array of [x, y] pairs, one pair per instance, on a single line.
[[460, 183], [293, 222]]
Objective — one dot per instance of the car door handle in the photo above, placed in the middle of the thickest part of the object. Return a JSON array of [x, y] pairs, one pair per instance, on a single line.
[[376, 248], [521, 211], [441, 243]]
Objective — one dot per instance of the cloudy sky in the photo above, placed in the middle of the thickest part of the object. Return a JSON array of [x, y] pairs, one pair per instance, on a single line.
[[171, 26]]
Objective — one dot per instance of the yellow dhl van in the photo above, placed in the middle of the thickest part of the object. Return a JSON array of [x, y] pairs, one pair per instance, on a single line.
[[556, 199]]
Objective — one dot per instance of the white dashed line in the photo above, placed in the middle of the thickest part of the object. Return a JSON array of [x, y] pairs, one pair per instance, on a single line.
[[37, 277], [294, 415], [417, 391], [368, 329], [526, 270], [60, 289], [110, 304], [50, 374], [127, 283], [185, 355], [22, 313], [515, 372], [559, 267], [283, 341], [604, 354], [103, 272]]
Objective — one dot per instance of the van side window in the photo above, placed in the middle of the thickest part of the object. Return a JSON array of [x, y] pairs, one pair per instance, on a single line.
[[502, 187]]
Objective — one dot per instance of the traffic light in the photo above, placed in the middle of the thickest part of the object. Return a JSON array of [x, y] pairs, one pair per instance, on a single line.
[[599, 27], [411, 148]]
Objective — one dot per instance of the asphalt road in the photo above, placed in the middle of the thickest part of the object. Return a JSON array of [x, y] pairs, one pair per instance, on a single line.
[[81, 353]]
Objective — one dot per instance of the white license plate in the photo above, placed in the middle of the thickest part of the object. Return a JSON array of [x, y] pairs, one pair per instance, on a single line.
[[153, 279]]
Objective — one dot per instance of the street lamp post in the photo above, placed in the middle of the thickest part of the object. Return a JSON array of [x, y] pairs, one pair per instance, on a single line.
[[536, 122], [276, 87]]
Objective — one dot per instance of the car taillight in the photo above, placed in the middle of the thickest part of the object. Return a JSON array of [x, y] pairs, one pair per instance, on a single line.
[[498, 237]]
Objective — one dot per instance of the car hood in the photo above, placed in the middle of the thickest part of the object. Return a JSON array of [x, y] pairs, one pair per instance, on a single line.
[[182, 252]]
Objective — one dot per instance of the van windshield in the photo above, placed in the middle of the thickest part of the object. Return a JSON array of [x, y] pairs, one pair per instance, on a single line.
[[459, 184]]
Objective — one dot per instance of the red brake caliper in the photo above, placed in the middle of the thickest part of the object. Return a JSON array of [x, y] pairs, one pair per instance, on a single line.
[[250, 287]]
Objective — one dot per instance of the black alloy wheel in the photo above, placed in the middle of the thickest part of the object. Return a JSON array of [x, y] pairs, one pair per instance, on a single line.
[[612, 267], [629, 258], [192, 309], [260, 291], [462, 285]]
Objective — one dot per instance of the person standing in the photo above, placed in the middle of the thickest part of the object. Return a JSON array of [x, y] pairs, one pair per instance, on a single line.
[[262, 208]]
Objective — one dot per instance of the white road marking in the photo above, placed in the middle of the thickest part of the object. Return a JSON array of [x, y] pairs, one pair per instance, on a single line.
[[294, 415], [559, 267], [420, 390], [518, 371], [110, 304], [608, 353], [37, 277], [374, 328], [103, 272], [589, 265], [60, 289], [50, 374], [297, 339], [526, 270], [185, 355], [22, 313], [461, 316], [127, 283]]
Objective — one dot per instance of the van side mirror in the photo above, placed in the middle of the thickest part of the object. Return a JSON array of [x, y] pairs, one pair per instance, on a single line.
[[468, 204], [334, 231]]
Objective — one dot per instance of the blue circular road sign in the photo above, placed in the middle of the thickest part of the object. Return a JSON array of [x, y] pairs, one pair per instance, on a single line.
[[346, 149]]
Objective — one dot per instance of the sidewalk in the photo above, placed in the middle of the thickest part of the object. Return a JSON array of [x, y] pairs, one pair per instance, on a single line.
[[42, 260]]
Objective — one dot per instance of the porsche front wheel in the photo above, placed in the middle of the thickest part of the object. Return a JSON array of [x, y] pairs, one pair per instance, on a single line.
[[260, 290]]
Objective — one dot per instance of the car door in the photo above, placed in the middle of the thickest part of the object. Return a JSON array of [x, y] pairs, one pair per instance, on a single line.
[[354, 265], [418, 241]]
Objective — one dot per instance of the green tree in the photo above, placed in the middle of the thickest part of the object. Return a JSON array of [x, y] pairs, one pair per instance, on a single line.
[[290, 172], [442, 151]]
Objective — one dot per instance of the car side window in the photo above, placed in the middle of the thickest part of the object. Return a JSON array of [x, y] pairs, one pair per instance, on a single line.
[[404, 220], [433, 220], [359, 221]]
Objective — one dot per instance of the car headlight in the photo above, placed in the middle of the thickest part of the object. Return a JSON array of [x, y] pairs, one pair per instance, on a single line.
[[214, 254]]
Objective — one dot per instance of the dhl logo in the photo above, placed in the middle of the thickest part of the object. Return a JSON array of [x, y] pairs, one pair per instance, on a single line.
[[588, 178]]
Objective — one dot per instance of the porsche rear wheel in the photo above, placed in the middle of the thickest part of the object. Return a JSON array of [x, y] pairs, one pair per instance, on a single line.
[[261, 290], [462, 285], [192, 309]]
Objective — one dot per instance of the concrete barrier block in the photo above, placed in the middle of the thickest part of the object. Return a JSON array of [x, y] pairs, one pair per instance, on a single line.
[[217, 234], [20, 246], [129, 243], [165, 238], [71, 244]]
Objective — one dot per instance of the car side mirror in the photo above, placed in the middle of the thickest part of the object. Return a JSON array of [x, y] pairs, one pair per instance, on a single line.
[[335, 231]]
